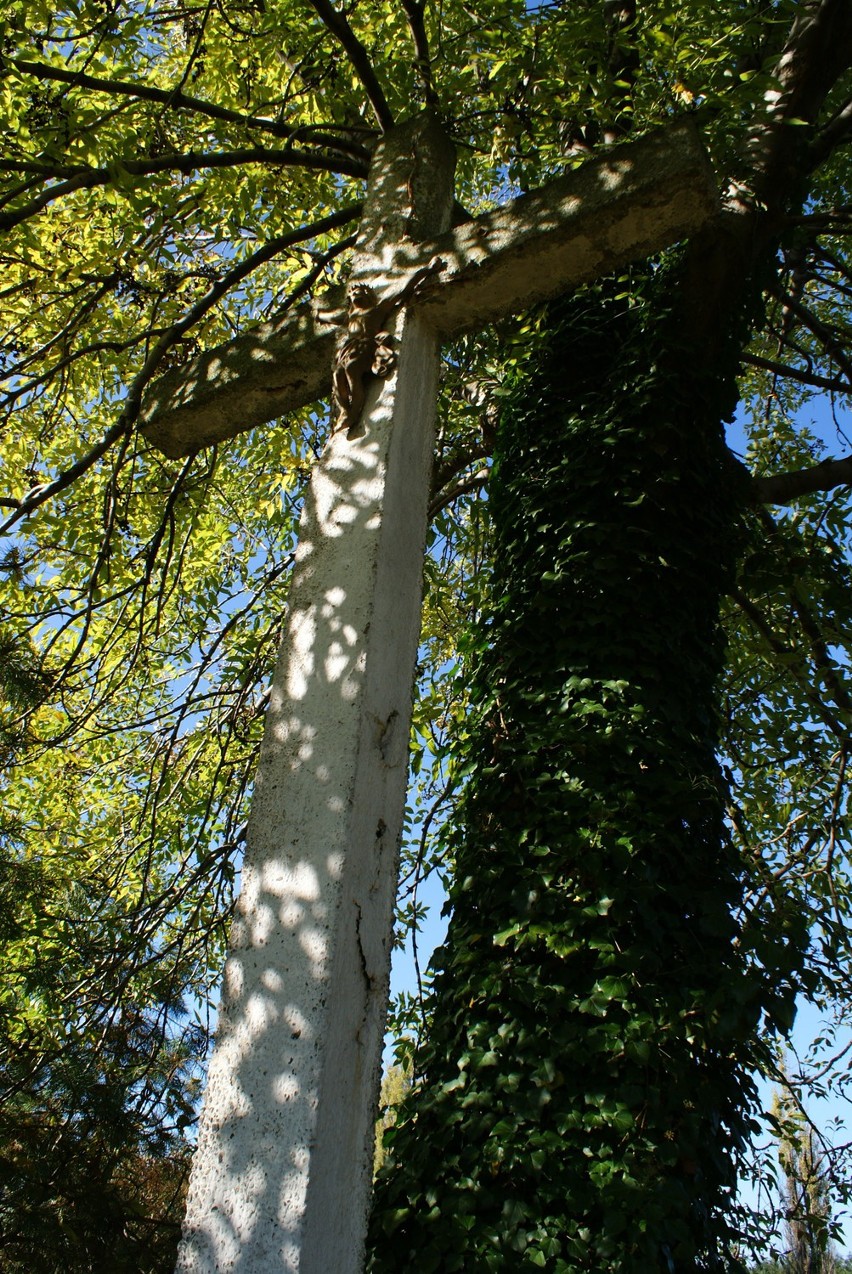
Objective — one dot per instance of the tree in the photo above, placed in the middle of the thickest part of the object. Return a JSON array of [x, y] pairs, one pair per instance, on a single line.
[[395, 1084], [806, 1187], [598, 890], [841, 1265], [148, 213]]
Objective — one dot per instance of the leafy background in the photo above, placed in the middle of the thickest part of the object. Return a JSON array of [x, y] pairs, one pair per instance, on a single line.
[[171, 173]]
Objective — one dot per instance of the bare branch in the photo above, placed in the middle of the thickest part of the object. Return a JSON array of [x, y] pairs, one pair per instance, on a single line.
[[780, 488], [360, 59]]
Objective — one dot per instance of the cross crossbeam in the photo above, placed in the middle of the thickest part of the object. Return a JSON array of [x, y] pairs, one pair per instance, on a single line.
[[617, 207]]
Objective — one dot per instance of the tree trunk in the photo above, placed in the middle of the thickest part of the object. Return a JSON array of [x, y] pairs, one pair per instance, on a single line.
[[586, 1080], [585, 1087]]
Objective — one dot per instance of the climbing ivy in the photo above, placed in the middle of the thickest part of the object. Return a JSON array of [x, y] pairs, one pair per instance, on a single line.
[[588, 1068]]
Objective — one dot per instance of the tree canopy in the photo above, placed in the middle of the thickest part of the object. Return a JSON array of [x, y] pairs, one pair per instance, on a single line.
[[173, 172]]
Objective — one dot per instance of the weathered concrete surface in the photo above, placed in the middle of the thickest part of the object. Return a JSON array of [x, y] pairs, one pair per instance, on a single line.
[[269, 370], [282, 1175], [619, 206]]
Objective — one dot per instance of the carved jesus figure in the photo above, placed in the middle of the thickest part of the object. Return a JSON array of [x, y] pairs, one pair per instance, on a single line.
[[367, 349]]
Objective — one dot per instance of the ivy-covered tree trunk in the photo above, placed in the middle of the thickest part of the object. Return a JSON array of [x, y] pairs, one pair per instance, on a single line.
[[586, 1080]]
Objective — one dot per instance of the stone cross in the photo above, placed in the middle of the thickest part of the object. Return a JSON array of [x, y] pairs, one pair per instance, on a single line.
[[282, 1174]]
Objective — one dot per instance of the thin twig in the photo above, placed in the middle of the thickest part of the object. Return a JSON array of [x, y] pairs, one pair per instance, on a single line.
[[128, 416]]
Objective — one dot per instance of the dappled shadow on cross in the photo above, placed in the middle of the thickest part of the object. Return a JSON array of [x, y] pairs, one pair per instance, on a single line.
[[621, 205], [287, 1125]]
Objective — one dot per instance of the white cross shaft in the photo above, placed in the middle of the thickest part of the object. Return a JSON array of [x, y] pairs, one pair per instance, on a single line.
[[281, 1178]]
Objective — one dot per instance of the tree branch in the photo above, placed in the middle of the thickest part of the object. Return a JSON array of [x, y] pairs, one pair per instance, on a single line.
[[471, 483], [816, 53], [38, 495], [835, 131], [823, 220], [180, 101], [185, 164], [820, 330], [796, 373], [360, 59], [781, 650], [414, 10], [780, 488]]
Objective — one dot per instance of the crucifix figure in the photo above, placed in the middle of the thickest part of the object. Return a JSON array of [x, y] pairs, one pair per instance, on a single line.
[[367, 350], [281, 1178]]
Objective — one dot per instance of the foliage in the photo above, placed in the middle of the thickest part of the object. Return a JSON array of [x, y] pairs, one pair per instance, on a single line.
[[806, 1188], [833, 1265], [395, 1084], [592, 879], [791, 703], [93, 1163], [172, 173]]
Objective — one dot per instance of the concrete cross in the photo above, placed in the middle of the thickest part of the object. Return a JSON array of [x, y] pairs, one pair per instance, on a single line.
[[282, 1174]]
